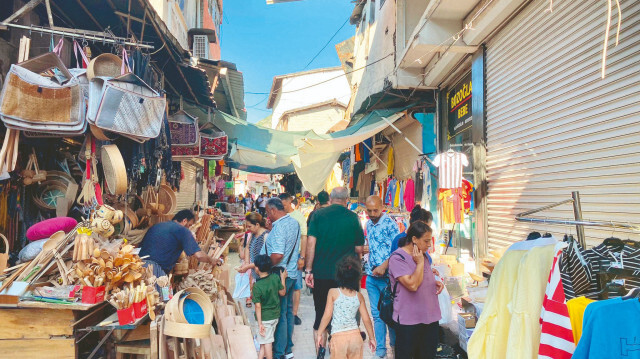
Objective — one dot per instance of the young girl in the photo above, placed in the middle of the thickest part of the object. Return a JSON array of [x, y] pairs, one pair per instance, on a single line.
[[343, 303]]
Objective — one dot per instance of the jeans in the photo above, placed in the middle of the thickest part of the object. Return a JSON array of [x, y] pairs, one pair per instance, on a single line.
[[375, 287], [284, 331]]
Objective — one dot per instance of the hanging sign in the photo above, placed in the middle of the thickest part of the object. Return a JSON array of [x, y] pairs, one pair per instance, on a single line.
[[459, 106]]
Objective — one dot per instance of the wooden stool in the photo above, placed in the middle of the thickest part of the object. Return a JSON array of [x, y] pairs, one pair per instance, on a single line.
[[133, 350]]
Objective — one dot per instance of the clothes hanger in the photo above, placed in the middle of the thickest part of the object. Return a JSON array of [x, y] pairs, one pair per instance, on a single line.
[[633, 293]]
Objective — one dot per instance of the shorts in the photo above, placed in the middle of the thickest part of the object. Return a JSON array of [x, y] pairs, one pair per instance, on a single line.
[[269, 330], [320, 292], [298, 285], [346, 345]]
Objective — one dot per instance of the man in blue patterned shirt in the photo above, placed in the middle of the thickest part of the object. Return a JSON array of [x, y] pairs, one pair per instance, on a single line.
[[283, 247], [381, 230]]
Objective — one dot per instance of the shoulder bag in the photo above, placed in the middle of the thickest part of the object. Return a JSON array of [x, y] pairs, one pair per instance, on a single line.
[[385, 303]]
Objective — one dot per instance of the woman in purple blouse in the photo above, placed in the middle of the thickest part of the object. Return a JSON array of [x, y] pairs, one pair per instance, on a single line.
[[415, 309]]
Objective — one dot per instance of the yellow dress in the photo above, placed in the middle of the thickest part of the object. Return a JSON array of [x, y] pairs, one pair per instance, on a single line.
[[526, 304], [576, 308], [489, 339], [509, 326]]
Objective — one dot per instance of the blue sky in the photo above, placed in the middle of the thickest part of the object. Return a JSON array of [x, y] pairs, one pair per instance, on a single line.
[[268, 40]]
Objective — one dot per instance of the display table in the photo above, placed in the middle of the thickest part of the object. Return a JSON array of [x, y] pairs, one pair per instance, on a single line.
[[37, 329]]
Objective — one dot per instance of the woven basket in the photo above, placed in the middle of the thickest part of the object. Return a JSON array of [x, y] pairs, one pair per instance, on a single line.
[[106, 64], [115, 172]]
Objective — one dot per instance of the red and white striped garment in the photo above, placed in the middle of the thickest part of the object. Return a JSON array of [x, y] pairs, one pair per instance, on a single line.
[[450, 165], [556, 339]]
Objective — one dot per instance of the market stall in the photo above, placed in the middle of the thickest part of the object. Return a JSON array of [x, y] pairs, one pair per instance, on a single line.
[[91, 159]]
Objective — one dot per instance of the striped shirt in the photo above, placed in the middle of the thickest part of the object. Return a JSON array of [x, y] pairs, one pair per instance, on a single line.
[[580, 268], [450, 165], [556, 339]]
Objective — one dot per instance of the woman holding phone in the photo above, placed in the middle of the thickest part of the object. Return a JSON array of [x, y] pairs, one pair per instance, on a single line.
[[415, 309]]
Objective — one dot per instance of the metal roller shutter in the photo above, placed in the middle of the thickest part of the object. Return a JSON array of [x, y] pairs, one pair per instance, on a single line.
[[554, 126], [186, 197]]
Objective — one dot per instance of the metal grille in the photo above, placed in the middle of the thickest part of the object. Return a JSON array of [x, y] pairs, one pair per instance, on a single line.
[[200, 46], [554, 126]]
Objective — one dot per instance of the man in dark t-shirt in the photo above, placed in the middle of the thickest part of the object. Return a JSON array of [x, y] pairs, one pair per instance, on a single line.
[[164, 242], [334, 232]]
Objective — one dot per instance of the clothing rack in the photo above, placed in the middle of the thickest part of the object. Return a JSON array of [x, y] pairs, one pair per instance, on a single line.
[[461, 145], [94, 36], [579, 222]]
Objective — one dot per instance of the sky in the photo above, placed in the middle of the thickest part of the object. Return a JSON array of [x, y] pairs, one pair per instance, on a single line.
[[268, 40]]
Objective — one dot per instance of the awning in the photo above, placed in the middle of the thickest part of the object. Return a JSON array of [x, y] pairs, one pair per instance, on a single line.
[[313, 156], [317, 157]]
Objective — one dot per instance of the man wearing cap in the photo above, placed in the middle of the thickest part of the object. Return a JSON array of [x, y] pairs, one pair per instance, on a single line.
[[287, 200]]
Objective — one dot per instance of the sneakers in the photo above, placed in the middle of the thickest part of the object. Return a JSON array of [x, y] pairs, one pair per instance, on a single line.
[[288, 356], [297, 320]]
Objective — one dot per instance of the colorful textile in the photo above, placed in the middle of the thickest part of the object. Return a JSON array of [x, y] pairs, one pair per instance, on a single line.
[[576, 307], [380, 236], [390, 162], [452, 205], [213, 146], [390, 193], [610, 330], [187, 152], [556, 338], [183, 133], [450, 165], [396, 194], [409, 195]]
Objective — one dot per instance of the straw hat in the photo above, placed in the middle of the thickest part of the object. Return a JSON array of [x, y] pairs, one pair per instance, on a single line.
[[104, 65], [115, 172]]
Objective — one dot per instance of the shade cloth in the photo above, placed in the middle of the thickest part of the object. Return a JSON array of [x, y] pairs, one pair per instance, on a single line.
[[313, 156]]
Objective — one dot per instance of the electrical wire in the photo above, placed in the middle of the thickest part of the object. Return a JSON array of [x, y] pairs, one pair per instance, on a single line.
[[325, 45]]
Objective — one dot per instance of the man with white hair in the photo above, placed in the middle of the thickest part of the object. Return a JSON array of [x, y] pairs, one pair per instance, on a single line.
[[334, 232]]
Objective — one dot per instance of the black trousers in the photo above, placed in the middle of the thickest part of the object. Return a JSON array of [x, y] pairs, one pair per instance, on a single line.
[[418, 341], [320, 291]]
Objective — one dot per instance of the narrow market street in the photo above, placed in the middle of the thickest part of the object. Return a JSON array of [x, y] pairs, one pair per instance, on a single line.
[[303, 334], [460, 178]]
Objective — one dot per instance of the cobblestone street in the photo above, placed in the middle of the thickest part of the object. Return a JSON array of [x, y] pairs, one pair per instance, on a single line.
[[304, 347]]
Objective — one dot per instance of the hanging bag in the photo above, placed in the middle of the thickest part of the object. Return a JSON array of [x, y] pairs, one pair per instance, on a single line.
[[184, 129], [42, 91]]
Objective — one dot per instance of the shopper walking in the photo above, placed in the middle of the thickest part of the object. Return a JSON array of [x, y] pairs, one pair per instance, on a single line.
[[415, 308], [255, 226], [334, 233], [343, 304], [266, 294], [287, 201], [282, 247], [381, 230], [261, 202]]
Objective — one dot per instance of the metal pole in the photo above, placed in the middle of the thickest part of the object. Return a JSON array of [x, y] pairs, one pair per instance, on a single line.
[[577, 212], [80, 34]]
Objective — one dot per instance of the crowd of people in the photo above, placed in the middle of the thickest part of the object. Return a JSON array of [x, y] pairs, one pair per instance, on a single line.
[[327, 252]]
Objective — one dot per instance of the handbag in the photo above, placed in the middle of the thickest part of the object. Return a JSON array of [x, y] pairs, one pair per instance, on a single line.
[[213, 147], [385, 303], [184, 129], [127, 106], [33, 100]]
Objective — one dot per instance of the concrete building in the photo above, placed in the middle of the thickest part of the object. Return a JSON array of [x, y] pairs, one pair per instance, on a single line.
[[310, 100]]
